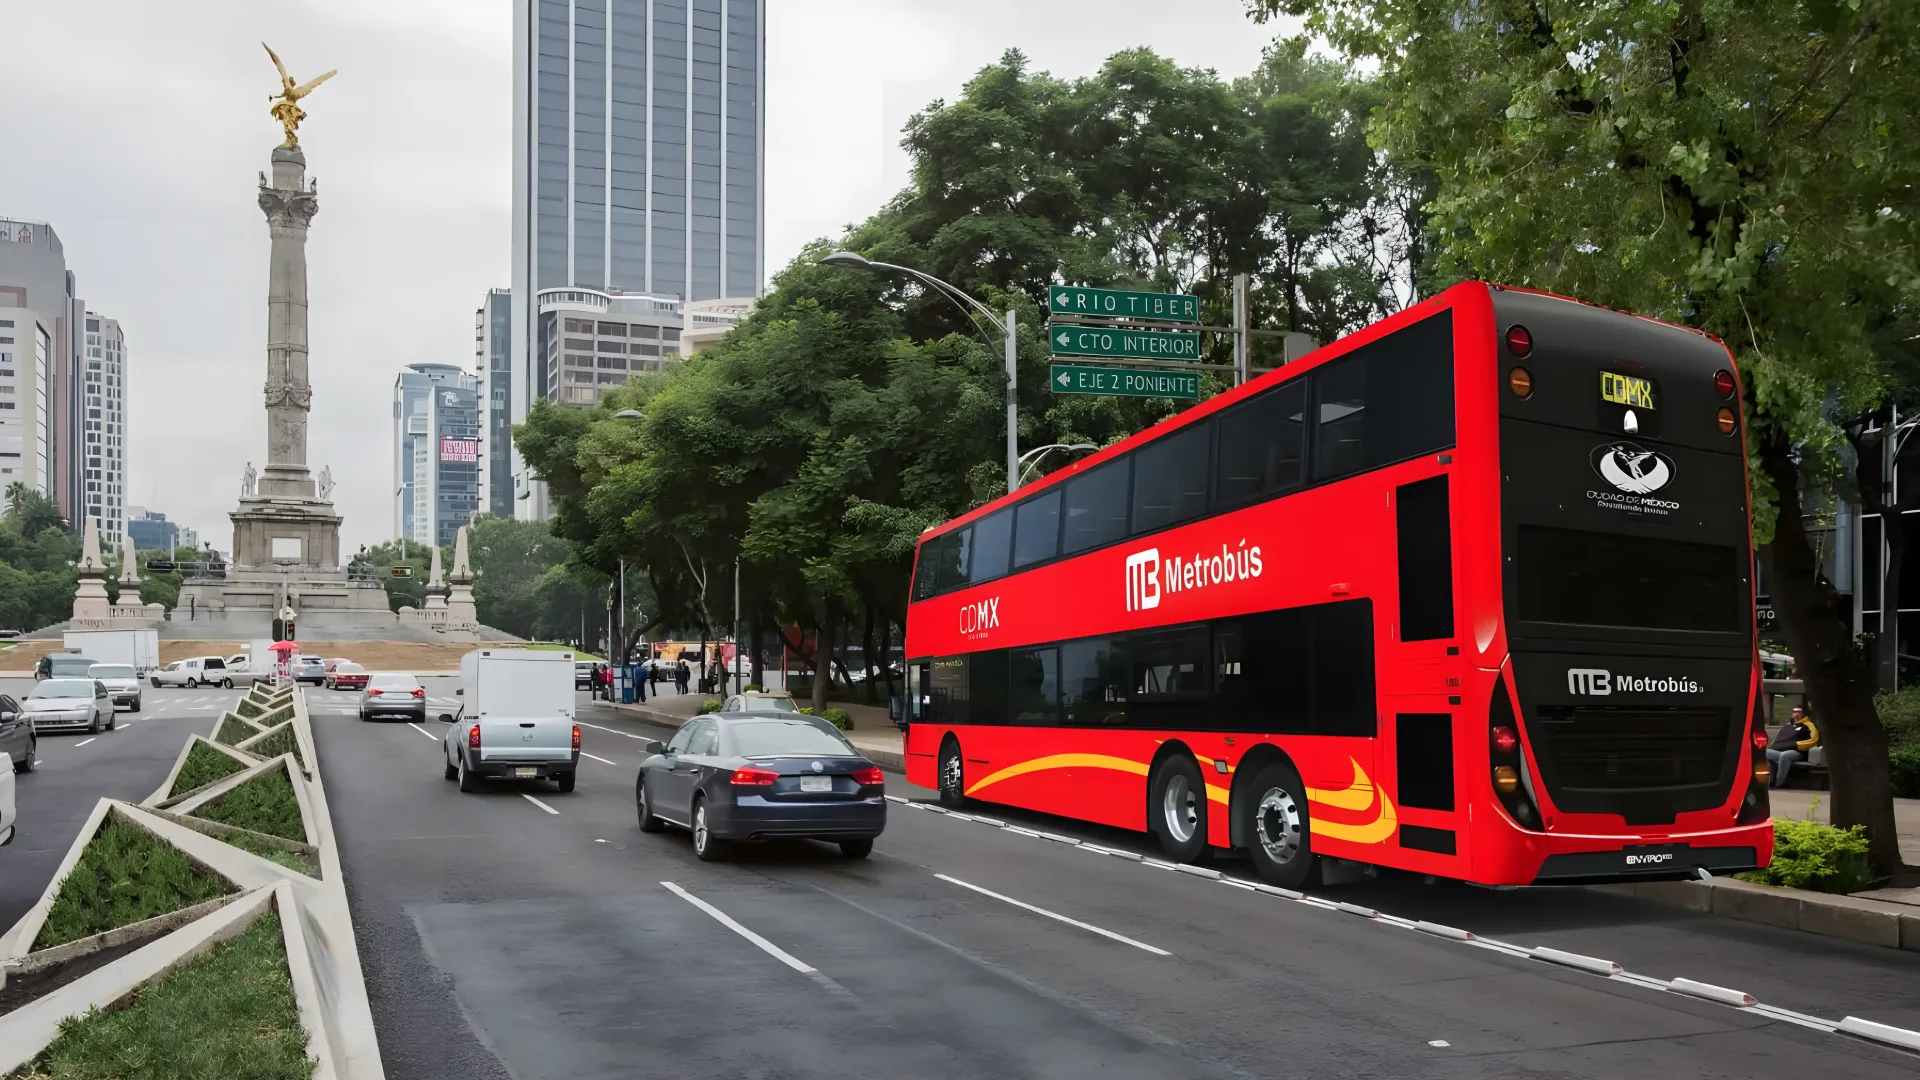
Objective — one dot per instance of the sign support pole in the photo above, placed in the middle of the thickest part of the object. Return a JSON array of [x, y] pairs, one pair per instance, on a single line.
[[1013, 411], [1242, 327]]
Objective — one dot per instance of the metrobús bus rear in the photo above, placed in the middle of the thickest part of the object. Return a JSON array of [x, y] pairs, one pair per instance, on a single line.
[[1622, 735]]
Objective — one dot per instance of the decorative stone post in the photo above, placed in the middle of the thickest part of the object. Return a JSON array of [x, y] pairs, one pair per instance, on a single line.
[[462, 615], [90, 599]]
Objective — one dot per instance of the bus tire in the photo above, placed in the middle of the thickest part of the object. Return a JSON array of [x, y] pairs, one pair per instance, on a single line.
[[1277, 827], [1177, 808], [953, 775]]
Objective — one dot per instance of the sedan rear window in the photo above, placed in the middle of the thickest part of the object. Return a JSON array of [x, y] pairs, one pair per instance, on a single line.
[[393, 682], [348, 669], [63, 688], [772, 738]]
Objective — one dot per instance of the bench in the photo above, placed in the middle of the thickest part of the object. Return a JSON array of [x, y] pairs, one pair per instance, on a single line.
[[1808, 775]]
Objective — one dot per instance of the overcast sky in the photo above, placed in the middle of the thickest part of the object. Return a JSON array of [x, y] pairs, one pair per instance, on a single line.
[[137, 129]]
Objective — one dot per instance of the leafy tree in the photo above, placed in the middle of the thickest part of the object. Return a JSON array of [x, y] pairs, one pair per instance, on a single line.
[[1734, 166], [410, 591], [37, 556], [510, 559]]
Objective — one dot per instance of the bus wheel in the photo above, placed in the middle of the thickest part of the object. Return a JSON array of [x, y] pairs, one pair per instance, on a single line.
[[1277, 828], [953, 791], [1177, 808]]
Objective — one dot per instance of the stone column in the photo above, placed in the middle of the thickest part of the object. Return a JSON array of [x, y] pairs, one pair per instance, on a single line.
[[90, 598], [289, 202]]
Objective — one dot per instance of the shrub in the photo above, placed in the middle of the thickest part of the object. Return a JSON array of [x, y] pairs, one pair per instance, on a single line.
[[203, 766], [124, 876], [751, 688], [838, 718], [280, 741], [1905, 763], [230, 1012], [1900, 714], [1810, 855], [264, 804], [233, 731], [709, 705]]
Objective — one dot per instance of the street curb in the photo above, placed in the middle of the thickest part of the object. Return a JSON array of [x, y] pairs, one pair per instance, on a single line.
[[1852, 918], [887, 759]]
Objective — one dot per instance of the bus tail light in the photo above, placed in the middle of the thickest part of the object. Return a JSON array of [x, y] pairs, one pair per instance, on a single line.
[[1520, 381], [1506, 761], [1723, 383], [1725, 420], [1519, 341], [1756, 807]]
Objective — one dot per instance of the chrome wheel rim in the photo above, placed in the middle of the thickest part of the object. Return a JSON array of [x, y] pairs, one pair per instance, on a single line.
[[950, 774], [700, 829], [1180, 809], [1276, 821]]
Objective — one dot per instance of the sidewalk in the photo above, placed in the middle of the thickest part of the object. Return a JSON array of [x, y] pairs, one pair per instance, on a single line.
[[873, 732]]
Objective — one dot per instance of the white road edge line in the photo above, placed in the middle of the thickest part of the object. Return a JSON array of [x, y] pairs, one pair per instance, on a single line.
[[726, 920], [598, 758], [83, 742], [540, 804], [1122, 938], [616, 731], [423, 731]]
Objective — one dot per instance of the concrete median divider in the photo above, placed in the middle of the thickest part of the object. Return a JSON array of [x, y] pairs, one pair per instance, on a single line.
[[225, 854]]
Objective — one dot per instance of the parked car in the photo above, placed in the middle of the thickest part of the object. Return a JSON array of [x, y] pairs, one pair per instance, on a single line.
[[240, 670], [63, 665], [69, 703], [123, 684], [347, 675], [583, 675], [194, 672], [727, 777], [393, 695], [515, 719], [8, 813], [760, 701], [309, 669], [17, 738]]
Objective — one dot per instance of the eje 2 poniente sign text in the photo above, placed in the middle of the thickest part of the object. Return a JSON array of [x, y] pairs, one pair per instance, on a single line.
[[1123, 382], [1119, 304], [1114, 341]]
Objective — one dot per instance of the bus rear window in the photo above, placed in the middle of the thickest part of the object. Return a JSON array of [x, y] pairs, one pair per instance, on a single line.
[[1610, 579]]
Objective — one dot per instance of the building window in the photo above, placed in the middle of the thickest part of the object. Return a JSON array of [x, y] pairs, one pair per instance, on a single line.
[[614, 328]]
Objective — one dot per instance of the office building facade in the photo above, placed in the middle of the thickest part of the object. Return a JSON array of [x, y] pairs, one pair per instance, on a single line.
[[493, 367], [436, 452], [103, 446], [152, 531], [45, 358]]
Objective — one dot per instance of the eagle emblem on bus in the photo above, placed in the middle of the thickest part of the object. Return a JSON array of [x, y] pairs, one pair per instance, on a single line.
[[1633, 469], [1143, 580]]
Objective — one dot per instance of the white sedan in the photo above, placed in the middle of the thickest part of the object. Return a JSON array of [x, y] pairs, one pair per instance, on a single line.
[[7, 812]]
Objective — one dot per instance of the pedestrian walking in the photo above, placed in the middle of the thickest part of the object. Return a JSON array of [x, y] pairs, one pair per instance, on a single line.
[[681, 676], [1792, 744]]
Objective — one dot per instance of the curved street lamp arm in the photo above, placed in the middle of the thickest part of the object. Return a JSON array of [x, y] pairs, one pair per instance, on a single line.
[[954, 293]]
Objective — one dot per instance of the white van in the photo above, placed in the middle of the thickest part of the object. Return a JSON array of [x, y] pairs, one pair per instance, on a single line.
[[515, 720]]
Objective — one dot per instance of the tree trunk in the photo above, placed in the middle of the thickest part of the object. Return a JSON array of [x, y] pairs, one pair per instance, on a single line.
[[823, 665], [753, 637], [1839, 684], [866, 655]]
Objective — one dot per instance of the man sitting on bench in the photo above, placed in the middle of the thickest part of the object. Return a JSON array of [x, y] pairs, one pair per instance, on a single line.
[[1792, 744]]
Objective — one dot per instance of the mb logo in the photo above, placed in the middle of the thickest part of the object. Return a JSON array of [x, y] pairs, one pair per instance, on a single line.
[[1143, 580], [1594, 682]]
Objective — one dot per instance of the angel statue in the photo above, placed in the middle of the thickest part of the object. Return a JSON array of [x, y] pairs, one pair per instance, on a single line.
[[326, 481], [286, 104], [246, 480]]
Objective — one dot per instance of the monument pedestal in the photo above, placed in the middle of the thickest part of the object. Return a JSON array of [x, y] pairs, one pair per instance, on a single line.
[[300, 533]]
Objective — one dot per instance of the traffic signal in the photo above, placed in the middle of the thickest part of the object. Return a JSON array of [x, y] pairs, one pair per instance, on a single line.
[[403, 571]]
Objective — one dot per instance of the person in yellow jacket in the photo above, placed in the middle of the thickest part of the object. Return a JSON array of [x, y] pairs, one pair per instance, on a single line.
[[1791, 744]]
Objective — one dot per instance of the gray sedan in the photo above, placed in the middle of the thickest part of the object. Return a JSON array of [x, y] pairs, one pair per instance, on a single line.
[[69, 703], [17, 739], [757, 777]]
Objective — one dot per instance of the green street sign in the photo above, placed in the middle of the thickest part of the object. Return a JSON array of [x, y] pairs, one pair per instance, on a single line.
[[1123, 382], [1113, 341], [1118, 304]]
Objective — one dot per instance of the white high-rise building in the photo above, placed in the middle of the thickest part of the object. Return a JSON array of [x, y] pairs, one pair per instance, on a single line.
[[436, 452], [104, 446]]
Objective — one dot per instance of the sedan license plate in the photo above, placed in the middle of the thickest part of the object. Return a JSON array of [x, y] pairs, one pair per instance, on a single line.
[[526, 771], [816, 783]]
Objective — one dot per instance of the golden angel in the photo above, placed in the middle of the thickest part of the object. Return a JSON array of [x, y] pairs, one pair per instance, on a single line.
[[286, 103]]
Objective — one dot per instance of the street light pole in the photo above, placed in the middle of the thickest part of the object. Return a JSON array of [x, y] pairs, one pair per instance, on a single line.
[[969, 305]]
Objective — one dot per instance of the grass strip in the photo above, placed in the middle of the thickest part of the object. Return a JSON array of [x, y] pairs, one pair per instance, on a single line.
[[265, 804], [277, 717], [280, 741], [249, 708], [233, 731], [124, 876], [229, 1013], [292, 860], [203, 766]]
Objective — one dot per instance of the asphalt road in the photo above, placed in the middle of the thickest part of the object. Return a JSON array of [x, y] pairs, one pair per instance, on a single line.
[[520, 932], [77, 770]]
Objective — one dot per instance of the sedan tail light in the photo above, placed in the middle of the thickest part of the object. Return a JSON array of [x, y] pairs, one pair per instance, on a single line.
[[473, 737], [754, 777], [375, 692], [871, 776], [418, 692]]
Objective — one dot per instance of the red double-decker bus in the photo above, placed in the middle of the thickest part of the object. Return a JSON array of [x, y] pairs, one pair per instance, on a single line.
[[1468, 593]]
